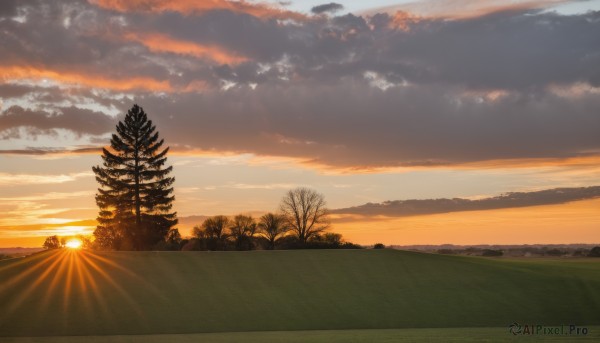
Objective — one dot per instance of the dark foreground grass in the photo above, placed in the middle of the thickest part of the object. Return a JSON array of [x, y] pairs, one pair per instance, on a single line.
[[457, 335], [135, 293]]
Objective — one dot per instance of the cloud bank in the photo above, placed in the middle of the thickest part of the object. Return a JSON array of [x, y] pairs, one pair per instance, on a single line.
[[383, 89], [403, 208]]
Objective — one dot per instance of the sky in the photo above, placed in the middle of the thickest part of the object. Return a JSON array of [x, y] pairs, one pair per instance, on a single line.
[[362, 101]]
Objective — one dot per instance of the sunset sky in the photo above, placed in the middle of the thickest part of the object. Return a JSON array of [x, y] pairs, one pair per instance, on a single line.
[[364, 101]]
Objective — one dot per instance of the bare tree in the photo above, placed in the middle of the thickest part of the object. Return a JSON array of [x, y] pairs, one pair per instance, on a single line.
[[305, 213], [272, 226], [242, 230], [213, 232], [214, 227]]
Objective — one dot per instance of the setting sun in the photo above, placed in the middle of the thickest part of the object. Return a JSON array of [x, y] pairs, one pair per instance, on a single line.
[[74, 244]]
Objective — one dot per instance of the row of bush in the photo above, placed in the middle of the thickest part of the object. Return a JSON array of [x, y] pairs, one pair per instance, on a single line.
[[525, 251], [325, 241]]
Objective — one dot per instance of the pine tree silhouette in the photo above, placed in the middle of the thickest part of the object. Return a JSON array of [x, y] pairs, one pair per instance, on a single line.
[[136, 194]]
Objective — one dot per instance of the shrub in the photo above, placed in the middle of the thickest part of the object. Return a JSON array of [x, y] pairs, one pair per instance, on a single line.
[[555, 252], [379, 246], [193, 244], [491, 253], [52, 242], [326, 241], [595, 252], [348, 245]]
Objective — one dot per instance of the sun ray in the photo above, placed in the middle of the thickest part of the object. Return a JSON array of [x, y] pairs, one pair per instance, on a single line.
[[74, 283], [51, 291], [38, 262], [103, 260], [96, 297], [113, 264], [114, 284], [67, 293], [25, 293]]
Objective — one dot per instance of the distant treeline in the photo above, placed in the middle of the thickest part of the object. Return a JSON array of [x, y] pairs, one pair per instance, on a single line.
[[300, 224], [430, 206], [574, 250], [221, 233]]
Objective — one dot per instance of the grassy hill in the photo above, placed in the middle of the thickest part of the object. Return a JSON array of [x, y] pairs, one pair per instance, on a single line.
[[123, 293]]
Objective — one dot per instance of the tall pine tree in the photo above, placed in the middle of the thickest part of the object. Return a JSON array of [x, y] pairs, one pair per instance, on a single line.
[[136, 194]]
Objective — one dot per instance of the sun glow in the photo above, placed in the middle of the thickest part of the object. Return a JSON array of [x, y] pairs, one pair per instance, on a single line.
[[74, 244]]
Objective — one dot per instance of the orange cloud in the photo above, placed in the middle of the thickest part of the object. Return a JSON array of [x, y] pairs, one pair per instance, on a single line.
[[402, 20], [188, 7], [33, 179], [162, 43], [575, 90], [583, 161], [462, 9], [12, 73], [583, 165], [586, 164]]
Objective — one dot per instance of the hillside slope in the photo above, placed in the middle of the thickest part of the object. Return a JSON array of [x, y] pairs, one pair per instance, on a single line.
[[82, 293]]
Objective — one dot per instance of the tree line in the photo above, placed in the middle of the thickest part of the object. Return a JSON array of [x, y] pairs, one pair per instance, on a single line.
[[135, 201], [300, 223]]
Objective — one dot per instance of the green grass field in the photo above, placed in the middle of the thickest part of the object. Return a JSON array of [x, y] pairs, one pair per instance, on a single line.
[[455, 335], [66, 293]]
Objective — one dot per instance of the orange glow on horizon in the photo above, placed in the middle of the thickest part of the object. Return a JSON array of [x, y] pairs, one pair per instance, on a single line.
[[570, 223]]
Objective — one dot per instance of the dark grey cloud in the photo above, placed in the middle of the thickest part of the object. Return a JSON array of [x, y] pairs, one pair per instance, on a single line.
[[51, 97], [8, 91], [80, 121], [355, 124], [403, 208], [330, 7], [506, 50], [339, 90], [8, 8]]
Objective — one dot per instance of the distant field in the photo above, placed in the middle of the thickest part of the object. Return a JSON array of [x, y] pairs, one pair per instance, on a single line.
[[147, 293], [17, 252]]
